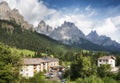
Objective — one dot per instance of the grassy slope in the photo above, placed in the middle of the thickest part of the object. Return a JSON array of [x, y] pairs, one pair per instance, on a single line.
[[23, 52], [18, 51]]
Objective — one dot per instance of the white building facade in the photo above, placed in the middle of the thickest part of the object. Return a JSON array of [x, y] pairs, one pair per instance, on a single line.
[[33, 65], [107, 60]]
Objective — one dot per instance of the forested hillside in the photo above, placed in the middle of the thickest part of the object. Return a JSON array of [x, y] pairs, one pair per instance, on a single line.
[[15, 36], [79, 60], [9, 64]]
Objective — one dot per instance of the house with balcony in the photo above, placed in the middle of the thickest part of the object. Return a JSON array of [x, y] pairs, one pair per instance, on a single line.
[[107, 60], [33, 65]]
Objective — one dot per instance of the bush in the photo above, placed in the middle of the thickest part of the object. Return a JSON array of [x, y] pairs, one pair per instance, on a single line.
[[109, 80], [91, 79]]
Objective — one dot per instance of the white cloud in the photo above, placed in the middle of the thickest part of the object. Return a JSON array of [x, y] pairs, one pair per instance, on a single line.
[[106, 27], [116, 21], [88, 8], [90, 11], [32, 10], [109, 28], [82, 19]]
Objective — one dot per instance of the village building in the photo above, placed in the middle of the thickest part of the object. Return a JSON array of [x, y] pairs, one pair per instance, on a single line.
[[107, 60], [33, 65], [52, 62]]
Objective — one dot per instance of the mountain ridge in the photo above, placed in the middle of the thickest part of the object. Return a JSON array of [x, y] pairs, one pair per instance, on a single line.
[[43, 28], [76, 37], [103, 40], [68, 33], [29, 40]]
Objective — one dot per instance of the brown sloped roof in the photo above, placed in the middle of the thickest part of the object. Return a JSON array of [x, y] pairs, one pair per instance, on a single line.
[[107, 57], [29, 61], [49, 59]]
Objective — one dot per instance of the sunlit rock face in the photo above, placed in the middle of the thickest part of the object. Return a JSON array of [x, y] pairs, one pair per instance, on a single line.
[[8, 14], [67, 32], [102, 40], [43, 28]]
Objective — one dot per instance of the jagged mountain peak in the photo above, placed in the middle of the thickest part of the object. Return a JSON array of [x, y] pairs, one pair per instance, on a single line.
[[4, 7], [93, 34], [68, 23], [16, 10], [6, 13], [67, 32], [42, 22], [103, 40], [4, 3], [43, 28]]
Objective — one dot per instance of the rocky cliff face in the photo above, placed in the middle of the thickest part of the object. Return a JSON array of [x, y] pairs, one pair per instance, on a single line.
[[102, 40], [7, 14], [67, 32], [43, 28], [4, 9]]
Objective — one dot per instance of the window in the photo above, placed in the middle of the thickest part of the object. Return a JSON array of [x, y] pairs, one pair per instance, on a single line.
[[43, 63], [100, 60], [21, 69], [106, 60]]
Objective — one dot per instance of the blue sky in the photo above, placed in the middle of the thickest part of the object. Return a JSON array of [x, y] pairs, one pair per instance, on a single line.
[[58, 4], [102, 6], [100, 15]]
